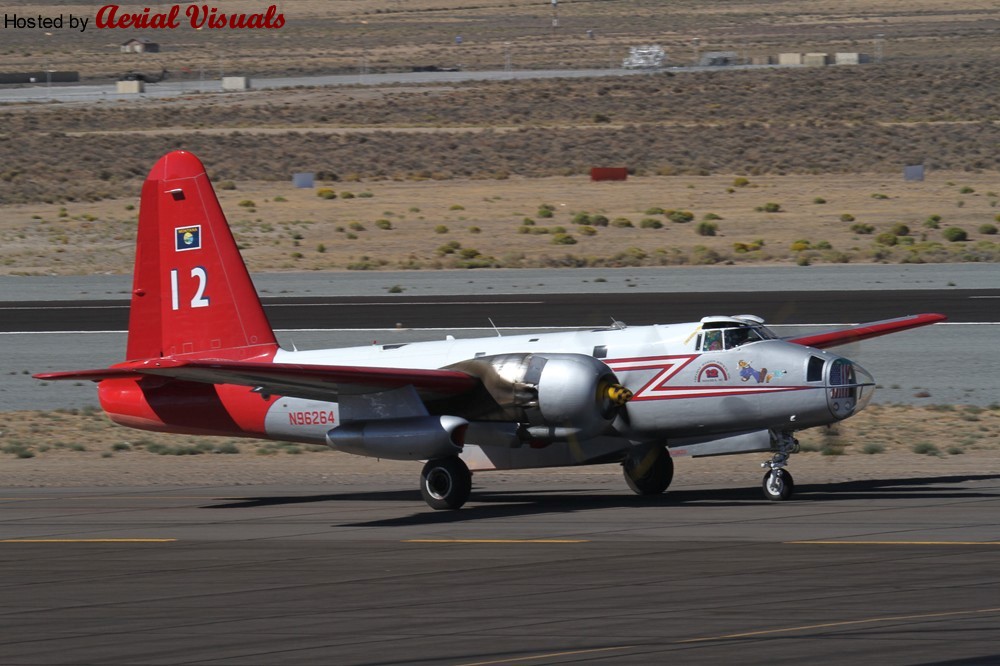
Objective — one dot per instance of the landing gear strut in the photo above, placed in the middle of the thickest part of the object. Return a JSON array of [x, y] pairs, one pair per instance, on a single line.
[[778, 483], [445, 483]]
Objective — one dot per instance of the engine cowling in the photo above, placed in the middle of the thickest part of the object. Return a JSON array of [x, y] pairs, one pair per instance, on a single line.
[[554, 396]]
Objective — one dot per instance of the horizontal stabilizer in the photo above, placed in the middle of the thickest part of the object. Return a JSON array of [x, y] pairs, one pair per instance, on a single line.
[[314, 382], [87, 375], [873, 329]]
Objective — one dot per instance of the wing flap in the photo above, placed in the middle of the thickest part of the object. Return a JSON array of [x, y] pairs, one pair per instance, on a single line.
[[873, 329], [315, 382]]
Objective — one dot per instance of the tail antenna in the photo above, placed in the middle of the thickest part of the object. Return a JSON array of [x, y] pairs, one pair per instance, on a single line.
[[490, 319]]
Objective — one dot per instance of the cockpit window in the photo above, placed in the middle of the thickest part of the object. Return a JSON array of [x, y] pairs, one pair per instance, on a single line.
[[712, 341], [737, 336], [729, 338]]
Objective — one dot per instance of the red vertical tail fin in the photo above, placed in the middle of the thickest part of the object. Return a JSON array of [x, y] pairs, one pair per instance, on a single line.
[[191, 292]]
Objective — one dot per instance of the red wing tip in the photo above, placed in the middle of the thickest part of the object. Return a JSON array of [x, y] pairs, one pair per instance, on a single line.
[[176, 164]]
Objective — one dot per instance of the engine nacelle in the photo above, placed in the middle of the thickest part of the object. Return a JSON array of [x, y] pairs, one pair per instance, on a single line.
[[413, 438], [554, 396]]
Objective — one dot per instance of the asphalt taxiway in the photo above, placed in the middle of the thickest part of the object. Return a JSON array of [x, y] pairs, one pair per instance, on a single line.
[[535, 570]]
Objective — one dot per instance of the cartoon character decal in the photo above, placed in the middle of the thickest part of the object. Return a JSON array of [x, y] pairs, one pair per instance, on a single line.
[[762, 376]]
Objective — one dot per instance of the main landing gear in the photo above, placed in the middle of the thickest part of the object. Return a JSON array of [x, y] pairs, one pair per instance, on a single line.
[[648, 469], [445, 483], [778, 483]]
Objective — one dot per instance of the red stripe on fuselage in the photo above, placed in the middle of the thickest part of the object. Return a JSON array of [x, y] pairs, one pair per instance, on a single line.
[[684, 392], [656, 388], [669, 367]]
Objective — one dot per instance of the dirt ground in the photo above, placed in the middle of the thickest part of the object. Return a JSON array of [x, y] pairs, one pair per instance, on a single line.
[[797, 165], [68, 449], [69, 470], [470, 223], [379, 35]]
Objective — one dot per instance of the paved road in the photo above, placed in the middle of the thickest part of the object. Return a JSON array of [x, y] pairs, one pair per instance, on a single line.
[[176, 88], [540, 310], [893, 571]]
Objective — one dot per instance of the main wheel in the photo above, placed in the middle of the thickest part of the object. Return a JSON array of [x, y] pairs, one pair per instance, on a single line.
[[445, 483], [648, 470], [778, 485]]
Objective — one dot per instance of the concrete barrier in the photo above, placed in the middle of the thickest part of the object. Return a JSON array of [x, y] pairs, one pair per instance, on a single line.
[[130, 87], [235, 83]]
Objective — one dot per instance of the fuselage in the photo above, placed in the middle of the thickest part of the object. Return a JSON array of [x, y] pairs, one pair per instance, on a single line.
[[682, 386], [692, 384]]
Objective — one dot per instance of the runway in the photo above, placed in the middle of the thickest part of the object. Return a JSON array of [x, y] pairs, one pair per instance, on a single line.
[[539, 310], [47, 335], [535, 570]]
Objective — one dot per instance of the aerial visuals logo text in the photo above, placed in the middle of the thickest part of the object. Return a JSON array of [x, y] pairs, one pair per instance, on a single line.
[[198, 16], [112, 16]]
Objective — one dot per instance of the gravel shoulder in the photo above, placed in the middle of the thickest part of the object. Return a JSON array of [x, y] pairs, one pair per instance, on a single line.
[[83, 449], [137, 469]]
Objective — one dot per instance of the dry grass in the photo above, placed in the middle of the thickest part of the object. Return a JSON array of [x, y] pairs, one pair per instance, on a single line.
[[806, 121], [289, 229], [500, 149]]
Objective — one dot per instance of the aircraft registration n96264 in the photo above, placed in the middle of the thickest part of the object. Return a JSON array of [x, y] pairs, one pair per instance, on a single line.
[[201, 358]]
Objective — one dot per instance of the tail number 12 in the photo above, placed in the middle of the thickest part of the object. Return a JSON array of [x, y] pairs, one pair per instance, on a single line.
[[198, 300]]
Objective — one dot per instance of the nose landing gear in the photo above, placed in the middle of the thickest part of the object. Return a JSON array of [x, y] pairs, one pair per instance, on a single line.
[[778, 483]]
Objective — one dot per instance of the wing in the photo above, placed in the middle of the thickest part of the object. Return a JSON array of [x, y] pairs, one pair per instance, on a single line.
[[314, 382], [864, 331]]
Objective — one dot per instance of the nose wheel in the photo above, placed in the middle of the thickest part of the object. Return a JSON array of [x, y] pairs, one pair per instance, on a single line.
[[778, 484]]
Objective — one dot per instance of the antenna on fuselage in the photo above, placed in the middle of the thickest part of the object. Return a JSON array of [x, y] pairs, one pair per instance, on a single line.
[[490, 319]]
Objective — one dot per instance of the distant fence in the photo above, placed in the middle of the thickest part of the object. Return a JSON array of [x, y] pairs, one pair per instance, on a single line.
[[39, 77]]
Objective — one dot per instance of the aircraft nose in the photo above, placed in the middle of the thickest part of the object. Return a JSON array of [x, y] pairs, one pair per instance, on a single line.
[[850, 388]]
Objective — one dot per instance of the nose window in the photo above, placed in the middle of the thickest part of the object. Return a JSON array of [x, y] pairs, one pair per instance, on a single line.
[[814, 373], [851, 388], [842, 374]]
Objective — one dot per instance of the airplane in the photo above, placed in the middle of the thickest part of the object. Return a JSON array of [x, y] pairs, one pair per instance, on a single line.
[[201, 358]]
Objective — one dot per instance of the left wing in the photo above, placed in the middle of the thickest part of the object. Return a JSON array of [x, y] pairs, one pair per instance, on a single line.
[[864, 331], [314, 382]]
